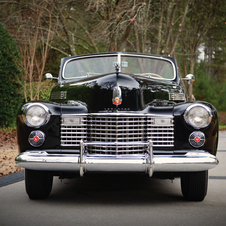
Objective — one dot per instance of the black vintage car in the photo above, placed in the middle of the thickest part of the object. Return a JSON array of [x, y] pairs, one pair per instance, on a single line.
[[122, 113]]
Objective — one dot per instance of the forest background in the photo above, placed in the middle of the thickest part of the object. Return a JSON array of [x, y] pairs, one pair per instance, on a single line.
[[44, 31]]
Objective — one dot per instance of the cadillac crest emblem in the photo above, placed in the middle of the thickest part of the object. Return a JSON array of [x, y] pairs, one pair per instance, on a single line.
[[117, 96]]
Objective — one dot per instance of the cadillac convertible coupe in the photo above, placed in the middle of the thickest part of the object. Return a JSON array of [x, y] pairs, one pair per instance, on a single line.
[[118, 113]]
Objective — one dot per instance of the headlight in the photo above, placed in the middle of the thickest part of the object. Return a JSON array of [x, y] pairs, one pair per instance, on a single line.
[[198, 116], [36, 114]]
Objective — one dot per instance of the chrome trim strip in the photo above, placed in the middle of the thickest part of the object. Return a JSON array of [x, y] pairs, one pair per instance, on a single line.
[[118, 114]]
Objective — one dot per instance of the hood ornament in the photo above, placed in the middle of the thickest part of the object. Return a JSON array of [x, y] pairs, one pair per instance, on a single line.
[[117, 96], [117, 66]]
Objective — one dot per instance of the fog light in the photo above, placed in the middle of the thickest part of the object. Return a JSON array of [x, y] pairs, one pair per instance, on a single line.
[[197, 139], [36, 138]]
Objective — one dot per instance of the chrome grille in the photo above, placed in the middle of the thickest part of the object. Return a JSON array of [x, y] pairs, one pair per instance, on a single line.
[[73, 130], [161, 132], [111, 129], [117, 128]]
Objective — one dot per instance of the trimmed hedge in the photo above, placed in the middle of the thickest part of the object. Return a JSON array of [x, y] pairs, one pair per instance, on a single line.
[[11, 97]]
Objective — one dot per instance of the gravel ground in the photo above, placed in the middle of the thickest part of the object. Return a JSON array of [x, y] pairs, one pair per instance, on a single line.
[[7, 160], [8, 153]]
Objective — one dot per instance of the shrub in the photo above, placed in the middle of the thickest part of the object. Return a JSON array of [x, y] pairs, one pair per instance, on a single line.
[[10, 88], [209, 89], [44, 92]]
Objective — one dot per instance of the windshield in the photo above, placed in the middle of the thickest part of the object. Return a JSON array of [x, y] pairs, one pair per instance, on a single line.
[[148, 67], [157, 68]]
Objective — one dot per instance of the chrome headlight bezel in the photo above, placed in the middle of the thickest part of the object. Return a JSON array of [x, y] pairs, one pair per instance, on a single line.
[[191, 113], [42, 116]]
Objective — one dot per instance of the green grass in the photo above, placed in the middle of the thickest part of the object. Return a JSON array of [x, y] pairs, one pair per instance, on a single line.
[[222, 127], [8, 129]]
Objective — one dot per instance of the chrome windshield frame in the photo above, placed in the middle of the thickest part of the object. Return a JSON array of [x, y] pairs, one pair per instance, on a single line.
[[119, 55]]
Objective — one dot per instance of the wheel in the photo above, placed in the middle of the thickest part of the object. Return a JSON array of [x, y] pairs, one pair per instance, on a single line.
[[38, 184], [194, 185]]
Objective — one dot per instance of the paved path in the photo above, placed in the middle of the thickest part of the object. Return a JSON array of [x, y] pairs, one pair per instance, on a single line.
[[11, 179], [118, 201]]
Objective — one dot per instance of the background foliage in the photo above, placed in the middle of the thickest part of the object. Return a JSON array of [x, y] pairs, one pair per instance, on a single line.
[[44, 92], [209, 88], [10, 89], [192, 31]]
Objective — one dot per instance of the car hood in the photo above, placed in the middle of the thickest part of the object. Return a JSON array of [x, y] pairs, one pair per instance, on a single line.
[[98, 93]]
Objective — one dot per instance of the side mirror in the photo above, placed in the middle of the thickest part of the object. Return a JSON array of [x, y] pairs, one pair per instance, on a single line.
[[189, 78], [49, 76]]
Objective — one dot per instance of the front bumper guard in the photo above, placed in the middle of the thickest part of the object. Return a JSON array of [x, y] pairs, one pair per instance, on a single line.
[[192, 161]]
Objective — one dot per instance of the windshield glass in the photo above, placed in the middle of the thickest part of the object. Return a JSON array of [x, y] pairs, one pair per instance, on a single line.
[[142, 66], [148, 67], [86, 67]]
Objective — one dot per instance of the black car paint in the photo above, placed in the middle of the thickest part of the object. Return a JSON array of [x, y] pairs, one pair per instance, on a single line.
[[96, 92], [139, 95]]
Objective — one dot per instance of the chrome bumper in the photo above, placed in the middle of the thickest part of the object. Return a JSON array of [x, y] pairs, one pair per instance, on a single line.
[[192, 161]]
